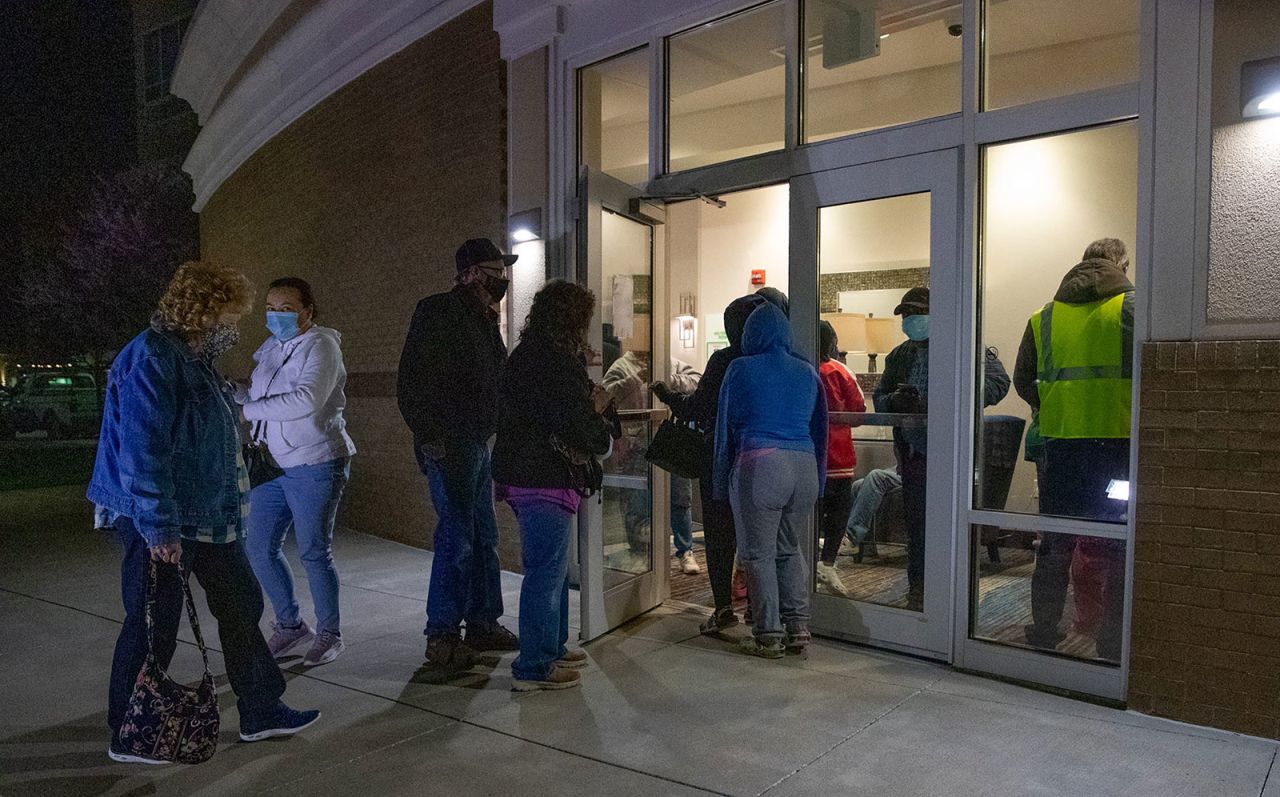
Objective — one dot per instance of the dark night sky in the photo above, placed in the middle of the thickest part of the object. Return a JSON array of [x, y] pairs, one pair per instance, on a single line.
[[66, 109]]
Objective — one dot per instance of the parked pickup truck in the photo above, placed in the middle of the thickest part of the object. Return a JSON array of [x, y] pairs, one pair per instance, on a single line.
[[62, 403]]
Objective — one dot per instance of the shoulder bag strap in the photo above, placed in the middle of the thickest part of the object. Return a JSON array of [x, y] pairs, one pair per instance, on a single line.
[[193, 617], [256, 431], [191, 614]]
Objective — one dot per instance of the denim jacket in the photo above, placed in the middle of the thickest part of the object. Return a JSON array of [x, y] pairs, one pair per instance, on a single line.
[[167, 454]]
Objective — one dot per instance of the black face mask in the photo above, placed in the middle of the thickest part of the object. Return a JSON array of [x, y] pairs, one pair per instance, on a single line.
[[496, 287]]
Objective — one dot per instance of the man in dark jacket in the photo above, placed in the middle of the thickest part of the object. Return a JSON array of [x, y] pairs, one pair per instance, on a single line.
[[448, 395], [701, 407], [904, 388], [1075, 369]]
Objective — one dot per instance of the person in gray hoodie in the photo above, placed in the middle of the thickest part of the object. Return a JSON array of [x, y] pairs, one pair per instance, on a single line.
[[294, 404], [770, 464]]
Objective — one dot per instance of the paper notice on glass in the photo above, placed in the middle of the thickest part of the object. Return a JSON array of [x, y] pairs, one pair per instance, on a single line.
[[623, 305]]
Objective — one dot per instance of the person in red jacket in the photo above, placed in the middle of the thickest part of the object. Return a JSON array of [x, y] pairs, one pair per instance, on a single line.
[[843, 395]]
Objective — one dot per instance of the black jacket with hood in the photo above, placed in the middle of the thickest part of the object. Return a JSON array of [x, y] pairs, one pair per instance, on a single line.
[[702, 404], [1090, 281]]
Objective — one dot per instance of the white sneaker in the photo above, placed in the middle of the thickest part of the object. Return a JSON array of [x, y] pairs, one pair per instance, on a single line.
[[847, 548], [830, 578], [688, 564]]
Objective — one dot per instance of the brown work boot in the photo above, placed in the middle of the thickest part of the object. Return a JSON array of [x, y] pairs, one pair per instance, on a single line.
[[573, 659], [560, 678], [449, 652], [497, 638]]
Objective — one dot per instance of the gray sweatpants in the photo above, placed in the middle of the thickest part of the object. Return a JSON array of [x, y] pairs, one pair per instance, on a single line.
[[773, 493]]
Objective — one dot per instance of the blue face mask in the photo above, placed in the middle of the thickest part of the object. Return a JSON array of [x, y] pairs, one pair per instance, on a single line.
[[284, 326], [916, 327]]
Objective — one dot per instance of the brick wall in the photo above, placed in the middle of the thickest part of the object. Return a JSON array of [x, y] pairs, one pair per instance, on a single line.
[[367, 196], [1206, 608]]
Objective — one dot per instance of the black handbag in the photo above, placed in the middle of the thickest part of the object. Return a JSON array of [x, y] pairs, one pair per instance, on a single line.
[[258, 461], [585, 469], [679, 448], [167, 721]]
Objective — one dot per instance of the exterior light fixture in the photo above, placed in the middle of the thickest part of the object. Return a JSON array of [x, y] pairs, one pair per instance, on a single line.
[[1260, 88], [526, 225]]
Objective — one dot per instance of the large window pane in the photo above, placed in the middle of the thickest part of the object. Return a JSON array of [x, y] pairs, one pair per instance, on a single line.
[[877, 63], [1040, 49], [726, 88], [871, 534], [1048, 591], [1046, 201], [613, 109]]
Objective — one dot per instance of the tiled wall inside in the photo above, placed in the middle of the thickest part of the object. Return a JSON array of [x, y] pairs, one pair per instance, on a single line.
[[830, 285]]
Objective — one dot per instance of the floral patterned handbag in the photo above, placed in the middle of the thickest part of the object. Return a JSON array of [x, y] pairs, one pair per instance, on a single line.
[[167, 721]]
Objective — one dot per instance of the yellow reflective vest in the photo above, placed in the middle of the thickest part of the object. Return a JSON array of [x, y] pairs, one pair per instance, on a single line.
[[1084, 358]]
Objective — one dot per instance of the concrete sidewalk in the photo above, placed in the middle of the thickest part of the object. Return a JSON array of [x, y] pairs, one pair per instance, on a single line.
[[662, 711]]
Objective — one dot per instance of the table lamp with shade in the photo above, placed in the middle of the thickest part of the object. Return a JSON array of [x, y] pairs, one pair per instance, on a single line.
[[851, 331], [883, 336]]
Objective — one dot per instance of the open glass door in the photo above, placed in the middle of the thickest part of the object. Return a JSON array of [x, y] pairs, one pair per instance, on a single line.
[[862, 237], [621, 539]]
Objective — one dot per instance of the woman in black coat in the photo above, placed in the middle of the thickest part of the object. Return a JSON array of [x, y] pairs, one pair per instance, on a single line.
[[551, 433], [701, 407]]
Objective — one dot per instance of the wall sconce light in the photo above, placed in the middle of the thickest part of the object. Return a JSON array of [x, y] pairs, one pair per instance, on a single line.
[[687, 324], [687, 319], [1260, 88], [526, 225]]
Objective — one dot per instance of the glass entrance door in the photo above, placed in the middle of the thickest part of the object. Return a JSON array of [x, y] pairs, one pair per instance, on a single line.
[[878, 244], [621, 539]]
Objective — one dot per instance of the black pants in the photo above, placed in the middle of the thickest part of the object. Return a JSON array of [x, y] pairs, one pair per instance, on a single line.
[[1074, 484], [913, 467], [837, 503], [235, 599], [721, 542]]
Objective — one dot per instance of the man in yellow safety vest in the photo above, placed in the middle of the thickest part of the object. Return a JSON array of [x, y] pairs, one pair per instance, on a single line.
[[1075, 366]]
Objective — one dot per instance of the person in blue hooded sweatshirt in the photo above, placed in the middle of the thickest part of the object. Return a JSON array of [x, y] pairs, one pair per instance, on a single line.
[[770, 462]]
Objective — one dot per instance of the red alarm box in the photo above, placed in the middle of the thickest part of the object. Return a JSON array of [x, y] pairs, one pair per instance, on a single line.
[[757, 276]]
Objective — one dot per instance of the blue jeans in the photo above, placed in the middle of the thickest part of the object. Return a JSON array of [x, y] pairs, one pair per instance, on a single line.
[[466, 580], [544, 594], [305, 499], [234, 600], [773, 495], [682, 514], [868, 492]]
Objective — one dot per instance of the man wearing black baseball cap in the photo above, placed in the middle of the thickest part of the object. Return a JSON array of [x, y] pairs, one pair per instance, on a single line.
[[448, 395], [904, 388]]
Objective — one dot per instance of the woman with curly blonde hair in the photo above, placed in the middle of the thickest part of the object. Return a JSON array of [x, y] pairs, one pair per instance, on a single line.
[[170, 480]]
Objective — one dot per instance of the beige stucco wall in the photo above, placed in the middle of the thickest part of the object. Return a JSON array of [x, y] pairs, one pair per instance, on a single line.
[[1244, 226]]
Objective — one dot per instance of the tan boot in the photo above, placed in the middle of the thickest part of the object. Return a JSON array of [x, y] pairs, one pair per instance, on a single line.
[[559, 678]]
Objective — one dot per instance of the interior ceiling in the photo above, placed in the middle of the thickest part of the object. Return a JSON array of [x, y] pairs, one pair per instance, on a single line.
[[738, 59]]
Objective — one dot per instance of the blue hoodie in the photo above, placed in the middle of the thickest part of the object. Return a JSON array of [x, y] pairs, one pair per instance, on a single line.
[[771, 398]]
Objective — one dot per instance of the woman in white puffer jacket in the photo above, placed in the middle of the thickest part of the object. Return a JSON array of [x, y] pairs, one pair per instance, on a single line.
[[294, 403]]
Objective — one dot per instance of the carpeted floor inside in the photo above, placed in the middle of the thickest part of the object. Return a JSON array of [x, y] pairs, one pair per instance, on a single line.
[[1004, 592]]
